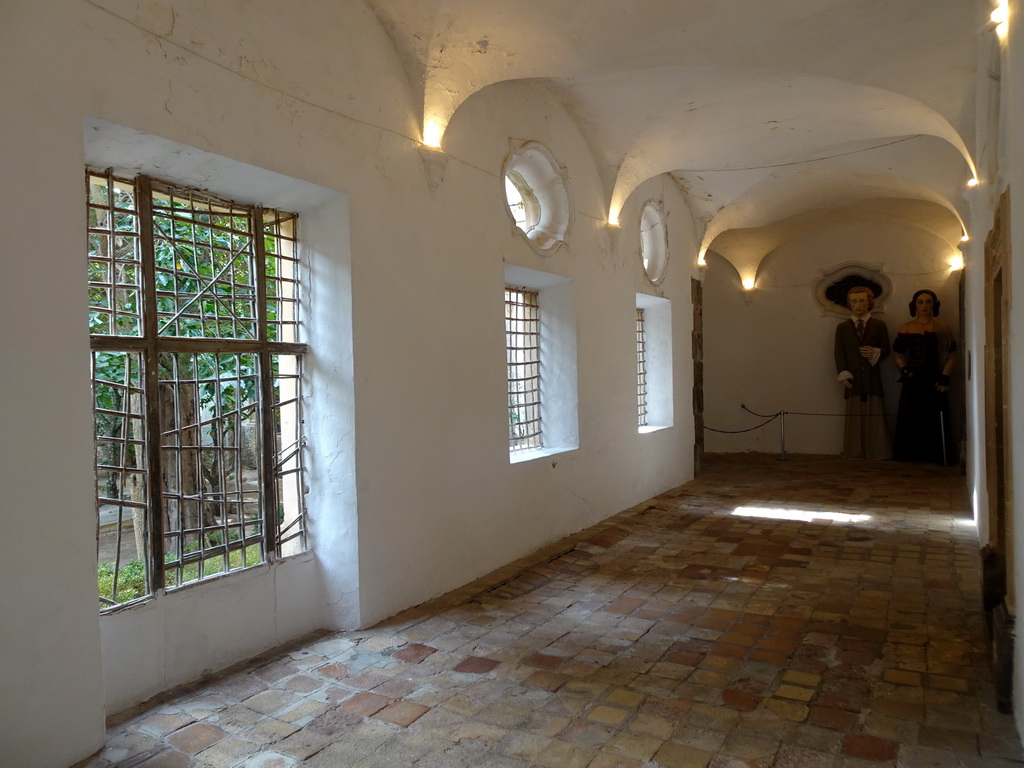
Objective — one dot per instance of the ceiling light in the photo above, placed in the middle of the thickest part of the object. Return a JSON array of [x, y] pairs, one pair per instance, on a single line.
[[748, 283], [972, 183], [956, 262], [965, 238]]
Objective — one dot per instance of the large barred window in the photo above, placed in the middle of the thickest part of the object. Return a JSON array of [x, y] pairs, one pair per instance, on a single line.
[[196, 369]]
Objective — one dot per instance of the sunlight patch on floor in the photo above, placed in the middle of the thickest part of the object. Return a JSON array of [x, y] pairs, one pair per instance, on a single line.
[[800, 515]]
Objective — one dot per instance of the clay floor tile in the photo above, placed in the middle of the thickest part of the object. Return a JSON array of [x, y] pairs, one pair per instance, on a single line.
[[396, 688], [276, 670], [836, 719], [790, 756], [413, 653], [303, 683], [672, 755], [686, 658], [333, 723], [777, 658], [546, 681], [624, 605], [870, 748], [403, 713], [727, 649], [268, 702], [239, 687], [335, 671], [170, 758], [365, 703], [608, 760], [366, 680], [195, 738], [945, 738], [739, 700], [161, 725]]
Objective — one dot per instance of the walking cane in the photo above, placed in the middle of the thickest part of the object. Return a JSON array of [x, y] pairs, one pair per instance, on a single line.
[[942, 432]]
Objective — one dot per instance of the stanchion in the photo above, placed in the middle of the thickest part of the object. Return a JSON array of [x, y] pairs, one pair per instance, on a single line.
[[782, 447]]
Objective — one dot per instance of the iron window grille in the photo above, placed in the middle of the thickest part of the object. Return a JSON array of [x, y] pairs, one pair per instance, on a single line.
[[522, 356], [641, 369], [194, 319]]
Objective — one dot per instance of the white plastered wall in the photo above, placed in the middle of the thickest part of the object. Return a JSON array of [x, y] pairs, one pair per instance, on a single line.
[[412, 492], [195, 631], [467, 504], [772, 349]]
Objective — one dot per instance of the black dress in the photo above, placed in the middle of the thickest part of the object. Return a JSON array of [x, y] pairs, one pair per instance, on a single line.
[[923, 428]]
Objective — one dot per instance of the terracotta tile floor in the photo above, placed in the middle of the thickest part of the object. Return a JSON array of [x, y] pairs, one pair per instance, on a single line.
[[674, 634]]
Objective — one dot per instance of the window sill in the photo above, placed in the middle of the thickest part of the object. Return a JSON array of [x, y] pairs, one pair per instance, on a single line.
[[538, 453], [647, 428]]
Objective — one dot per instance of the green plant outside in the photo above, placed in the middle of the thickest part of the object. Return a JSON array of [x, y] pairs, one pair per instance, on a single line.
[[132, 574]]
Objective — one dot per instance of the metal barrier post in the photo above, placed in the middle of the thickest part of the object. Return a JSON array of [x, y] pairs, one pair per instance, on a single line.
[[782, 447]]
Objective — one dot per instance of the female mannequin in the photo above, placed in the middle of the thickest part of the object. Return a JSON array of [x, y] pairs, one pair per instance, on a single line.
[[925, 354]]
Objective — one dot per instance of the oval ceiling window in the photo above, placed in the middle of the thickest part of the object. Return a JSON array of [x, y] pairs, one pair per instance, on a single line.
[[538, 197], [653, 242], [521, 201]]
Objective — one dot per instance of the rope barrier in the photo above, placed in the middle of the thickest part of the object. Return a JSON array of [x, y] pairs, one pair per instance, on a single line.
[[760, 415], [803, 413], [768, 419], [739, 431]]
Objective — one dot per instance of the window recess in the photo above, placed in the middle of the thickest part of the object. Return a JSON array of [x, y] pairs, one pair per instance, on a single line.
[[194, 318]]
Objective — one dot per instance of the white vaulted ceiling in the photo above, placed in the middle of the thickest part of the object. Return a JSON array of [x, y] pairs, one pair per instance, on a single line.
[[774, 116]]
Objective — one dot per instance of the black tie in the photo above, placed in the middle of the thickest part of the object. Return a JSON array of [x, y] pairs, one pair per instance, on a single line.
[[860, 329]]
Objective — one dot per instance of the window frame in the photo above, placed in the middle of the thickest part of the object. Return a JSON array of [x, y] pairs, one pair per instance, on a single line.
[[522, 356], [657, 312], [274, 463], [543, 185], [641, 368], [653, 242]]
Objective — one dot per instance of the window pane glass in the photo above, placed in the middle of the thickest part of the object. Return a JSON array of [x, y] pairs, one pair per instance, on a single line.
[[290, 515], [114, 258], [282, 276], [205, 266], [641, 369], [121, 476], [210, 452]]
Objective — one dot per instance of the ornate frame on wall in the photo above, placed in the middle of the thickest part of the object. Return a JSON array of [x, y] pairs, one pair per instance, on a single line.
[[653, 241], [832, 284], [544, 187]]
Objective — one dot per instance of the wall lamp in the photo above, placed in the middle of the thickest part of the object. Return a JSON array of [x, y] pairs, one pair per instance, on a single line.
[[1000, 16]]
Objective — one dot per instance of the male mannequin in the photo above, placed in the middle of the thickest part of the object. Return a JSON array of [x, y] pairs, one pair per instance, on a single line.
[[861, 343]]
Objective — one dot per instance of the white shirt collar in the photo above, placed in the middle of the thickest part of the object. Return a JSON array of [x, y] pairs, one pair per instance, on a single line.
[[854, 318]]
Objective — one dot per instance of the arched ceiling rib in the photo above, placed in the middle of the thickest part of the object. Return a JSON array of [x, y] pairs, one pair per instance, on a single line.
[[730, 97], [746, 247]]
